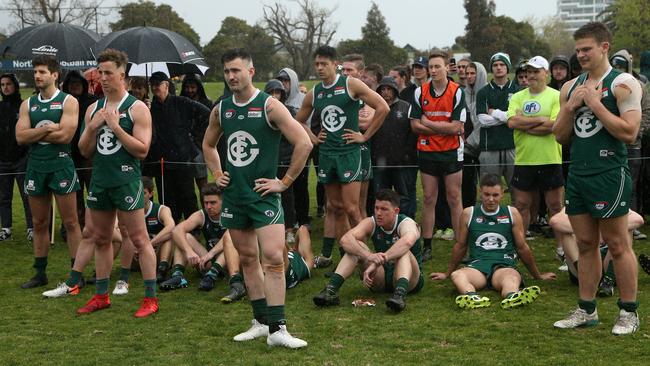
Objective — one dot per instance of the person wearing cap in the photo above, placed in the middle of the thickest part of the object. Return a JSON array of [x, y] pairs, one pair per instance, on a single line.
[[538, 159], [622, 60], [496, 141], [393, 149], [520, 74], [560, 72], [600, 112], [175, 141], [420, 69]]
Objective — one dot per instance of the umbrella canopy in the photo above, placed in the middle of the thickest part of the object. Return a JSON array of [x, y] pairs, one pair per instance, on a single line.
[[70, 44], [154, 47]]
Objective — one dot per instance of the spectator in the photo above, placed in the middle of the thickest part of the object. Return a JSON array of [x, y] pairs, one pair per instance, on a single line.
[[520, 75], [193, 88], [139, 88], [476, 79], [560, 72], [461, 67], [420, 76], [400, 75], [174, 141], [394, 155], [13, 158]]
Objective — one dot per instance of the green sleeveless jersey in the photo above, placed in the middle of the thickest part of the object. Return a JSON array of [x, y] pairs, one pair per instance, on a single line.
[[337, 111], [46, 157], [152, 219], [382, 240], [490, 235], [113, 166], [212, 230], [253, 145], [593, 149]]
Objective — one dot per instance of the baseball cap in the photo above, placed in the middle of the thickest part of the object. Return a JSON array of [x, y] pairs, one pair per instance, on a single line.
[[421, 61], [538, 62], [158, 77]]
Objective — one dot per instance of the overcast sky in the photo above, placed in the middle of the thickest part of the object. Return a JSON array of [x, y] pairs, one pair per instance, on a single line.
[[441, 20]]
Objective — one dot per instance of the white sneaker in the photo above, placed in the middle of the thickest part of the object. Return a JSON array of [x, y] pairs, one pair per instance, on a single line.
[[62, 290], [291, 237], [578, 318], [564, 268], [30, 235], [626, 323], [448, 235], [438, 234], [256, 330], [121, 288], [284, 339]]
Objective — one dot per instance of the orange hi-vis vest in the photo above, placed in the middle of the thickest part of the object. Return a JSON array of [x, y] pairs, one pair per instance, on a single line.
[[438, 109]]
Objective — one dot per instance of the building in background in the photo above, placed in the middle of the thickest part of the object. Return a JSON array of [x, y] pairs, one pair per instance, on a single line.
[[576, 13]]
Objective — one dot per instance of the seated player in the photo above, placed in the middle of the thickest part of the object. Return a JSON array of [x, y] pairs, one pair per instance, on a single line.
[[395, 266], [160, 224], [564, 232], [299, 259], [496, 234], [212, 259]]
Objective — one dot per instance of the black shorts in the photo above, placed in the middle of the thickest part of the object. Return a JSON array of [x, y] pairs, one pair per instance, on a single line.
[[536, 177], [439, 168]]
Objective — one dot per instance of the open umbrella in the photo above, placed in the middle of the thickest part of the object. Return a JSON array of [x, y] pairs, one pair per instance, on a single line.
[[153, 49], [70, 44]]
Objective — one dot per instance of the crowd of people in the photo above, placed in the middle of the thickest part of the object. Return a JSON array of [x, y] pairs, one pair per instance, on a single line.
[[560, 148]]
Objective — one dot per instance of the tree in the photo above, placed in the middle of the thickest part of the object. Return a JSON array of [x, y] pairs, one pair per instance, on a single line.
[[375, 44], [236, 32], [300, 36], [631, 19], [31, 12], [554, 32], [150, 14], [479, 31]]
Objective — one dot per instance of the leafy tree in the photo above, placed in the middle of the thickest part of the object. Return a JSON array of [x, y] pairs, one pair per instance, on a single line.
[[479, 32], [629, 23], [375, 44], [300, 36], [161, 16], [236, 32], [554, 32]]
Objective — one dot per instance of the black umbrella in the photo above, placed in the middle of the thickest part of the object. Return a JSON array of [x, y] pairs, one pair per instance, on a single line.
[[70, 44], [153, 49]]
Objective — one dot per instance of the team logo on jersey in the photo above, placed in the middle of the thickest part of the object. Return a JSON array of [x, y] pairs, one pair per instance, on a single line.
[[606, 153], [64, 183], [254, 112], [30, 186], [320, 95], [339, 90], [34, 108], [229, 114], [226, 214], [152, 221], [503, 219], [44, 110], [491, 241], [600, 205], [426, 102], [242, 148], [333, 118], [269, 213], [107, 142], [56, 105], [43, 124], [586, 124], [128, 199], [347, 174], [399, 114], [241, 116], [532, 107], [479, 220], [126, 168]]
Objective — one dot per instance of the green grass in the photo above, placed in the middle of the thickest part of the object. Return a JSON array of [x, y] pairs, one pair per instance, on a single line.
[[194, 328]]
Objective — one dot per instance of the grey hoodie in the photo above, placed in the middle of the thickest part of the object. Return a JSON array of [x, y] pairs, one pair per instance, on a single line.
[[294, 96], [645, 100], [472, 143]]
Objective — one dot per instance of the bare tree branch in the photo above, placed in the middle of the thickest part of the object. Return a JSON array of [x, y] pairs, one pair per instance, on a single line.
[[79, 12]]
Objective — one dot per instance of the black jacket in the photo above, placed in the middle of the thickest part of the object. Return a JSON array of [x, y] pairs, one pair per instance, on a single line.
[[10, 151], [85, 100], [175, 129], [394, 144]]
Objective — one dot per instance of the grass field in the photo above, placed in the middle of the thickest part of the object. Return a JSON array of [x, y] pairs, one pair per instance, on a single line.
[[193, 328]]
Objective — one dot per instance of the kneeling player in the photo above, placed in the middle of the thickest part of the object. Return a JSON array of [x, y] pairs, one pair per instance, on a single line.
[[217, 244], [160, 224], [396, 264], [564, 232], [299, 259], [496, 234]]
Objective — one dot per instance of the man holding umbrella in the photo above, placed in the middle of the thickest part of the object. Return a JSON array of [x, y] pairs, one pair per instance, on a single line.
[[117, 135]]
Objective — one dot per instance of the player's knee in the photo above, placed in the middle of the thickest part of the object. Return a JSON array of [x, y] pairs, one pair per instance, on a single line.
[[352, 210], [554, 207], [71, 225], [429, 199], [618, 248], [40, 224], [456, 275]]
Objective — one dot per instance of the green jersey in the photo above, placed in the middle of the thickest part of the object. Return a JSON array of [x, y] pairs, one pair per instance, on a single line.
[[47, 157], [493, 96], [212, 230], [113, 165], [490, 234], [338, 111], [593, 149], [152, 219], [253, 145], [383, 240]]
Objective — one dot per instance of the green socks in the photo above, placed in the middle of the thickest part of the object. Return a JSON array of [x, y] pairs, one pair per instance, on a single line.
[[587, 305], [237, 277], [178, 270], [336, 281], [124, 274], [402, 285], [74, 279], [101, 286], [260, 310], [328, 244], [630, 307], [276, 318], [40, 264], [150, 288]]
